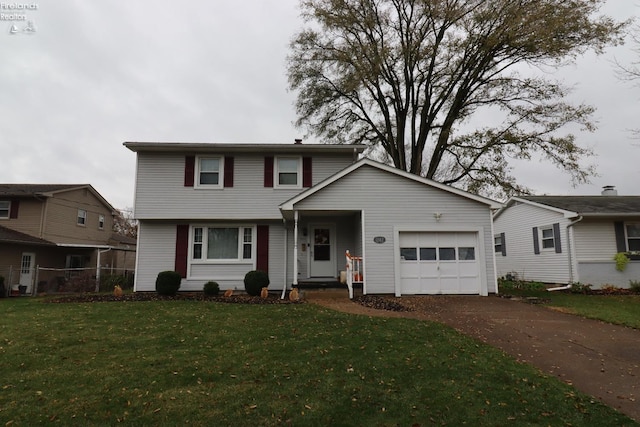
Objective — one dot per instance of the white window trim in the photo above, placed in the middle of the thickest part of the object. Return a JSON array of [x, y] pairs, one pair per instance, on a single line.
[[626, 234], [495, 245], [196, 178], [276, 172], [542, 239], [85, 217], [239, 259], [8, 209], [101, 222]]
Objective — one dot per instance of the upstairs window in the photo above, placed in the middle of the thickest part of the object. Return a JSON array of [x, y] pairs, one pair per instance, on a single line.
[[82, 217], [288, 171], [209, 171], [5, 209], [101, 222]]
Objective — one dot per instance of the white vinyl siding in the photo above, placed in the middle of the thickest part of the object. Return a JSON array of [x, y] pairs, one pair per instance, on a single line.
[[156, 252], [378, 194], [595, 240], [160, 178], [517, 222]]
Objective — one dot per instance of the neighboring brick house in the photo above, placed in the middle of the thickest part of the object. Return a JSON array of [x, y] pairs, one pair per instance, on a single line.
[[56, 227], [217, 211]]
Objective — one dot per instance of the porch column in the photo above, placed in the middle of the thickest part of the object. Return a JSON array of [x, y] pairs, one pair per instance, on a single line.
[[295, 248]]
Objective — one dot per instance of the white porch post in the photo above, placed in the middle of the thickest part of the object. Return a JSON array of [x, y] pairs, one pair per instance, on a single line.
[[295, 248]]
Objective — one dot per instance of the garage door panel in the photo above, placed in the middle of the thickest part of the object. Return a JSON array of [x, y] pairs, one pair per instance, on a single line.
[[444, 263]]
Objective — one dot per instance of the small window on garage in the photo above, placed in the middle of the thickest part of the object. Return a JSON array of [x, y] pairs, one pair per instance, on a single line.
[[466, 254], [447, 254], [427, 254], [408, 254]]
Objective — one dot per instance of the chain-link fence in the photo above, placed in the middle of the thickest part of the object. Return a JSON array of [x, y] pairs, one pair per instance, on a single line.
[[42, 280]]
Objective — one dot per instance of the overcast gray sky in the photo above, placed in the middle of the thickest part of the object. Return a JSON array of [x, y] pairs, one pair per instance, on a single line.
[[94, 74]]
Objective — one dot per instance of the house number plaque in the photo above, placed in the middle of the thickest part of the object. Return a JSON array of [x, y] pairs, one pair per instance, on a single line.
[[379, 239]]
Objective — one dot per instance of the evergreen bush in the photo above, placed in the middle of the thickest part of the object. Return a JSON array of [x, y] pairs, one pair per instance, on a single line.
[[254, 281], [211, 288], [168, 283]]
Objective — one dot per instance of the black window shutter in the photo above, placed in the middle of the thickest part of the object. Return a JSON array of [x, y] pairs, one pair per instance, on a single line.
[[307, 172], [556, 237], [182, 249], [268, 171], [504, 244], [262, 248], [621, 241], [228, 171], [536, 243], [15, 205], [189, 170]]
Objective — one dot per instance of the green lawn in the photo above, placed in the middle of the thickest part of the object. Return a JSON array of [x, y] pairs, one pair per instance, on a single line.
[[616, 309], [206, 363]]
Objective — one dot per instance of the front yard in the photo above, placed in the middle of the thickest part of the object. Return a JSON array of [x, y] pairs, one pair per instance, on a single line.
[[606, 306], [203, 363]]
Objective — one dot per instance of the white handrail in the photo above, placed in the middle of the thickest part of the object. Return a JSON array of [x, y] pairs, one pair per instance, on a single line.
[[354, 271]]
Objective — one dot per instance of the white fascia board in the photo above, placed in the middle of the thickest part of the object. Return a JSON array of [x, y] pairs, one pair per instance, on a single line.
[[564, 212], [221, 147]]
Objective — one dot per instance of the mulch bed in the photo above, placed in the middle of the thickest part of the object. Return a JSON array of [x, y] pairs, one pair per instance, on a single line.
[[152, 296]]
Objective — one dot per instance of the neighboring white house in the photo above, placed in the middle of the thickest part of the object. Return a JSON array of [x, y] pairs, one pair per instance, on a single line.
[[217, 211], [569, 239]]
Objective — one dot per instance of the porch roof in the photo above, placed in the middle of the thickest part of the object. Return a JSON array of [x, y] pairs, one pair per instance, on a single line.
[[289, 205], [7, 235]]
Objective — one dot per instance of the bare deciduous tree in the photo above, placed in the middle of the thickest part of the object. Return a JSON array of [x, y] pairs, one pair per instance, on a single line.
[[124, 223], [406, 76]]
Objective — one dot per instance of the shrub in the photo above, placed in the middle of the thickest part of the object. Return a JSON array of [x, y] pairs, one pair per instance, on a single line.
[[621, 260], [634, 285], [254, 281], [211, 288], [579, 288], [168, 283]]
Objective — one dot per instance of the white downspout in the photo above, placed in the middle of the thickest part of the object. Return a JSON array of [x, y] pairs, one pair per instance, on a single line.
[[570, 249], [295, 248], [98, 268], [286, 236]]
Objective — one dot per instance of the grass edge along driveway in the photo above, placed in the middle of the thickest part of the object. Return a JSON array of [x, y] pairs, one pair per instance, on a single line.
[[195, 362]]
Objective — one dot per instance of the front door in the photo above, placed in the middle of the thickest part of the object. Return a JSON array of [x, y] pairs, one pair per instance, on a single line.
[[323, 257], [27, 270]]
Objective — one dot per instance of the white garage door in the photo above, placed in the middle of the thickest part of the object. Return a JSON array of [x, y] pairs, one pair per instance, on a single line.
[[439, 263]]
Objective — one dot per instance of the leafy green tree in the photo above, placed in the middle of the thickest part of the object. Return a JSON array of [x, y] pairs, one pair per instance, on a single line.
[[406, 77]]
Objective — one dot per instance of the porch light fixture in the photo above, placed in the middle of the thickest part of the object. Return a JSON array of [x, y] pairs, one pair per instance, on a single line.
[[437, 216]]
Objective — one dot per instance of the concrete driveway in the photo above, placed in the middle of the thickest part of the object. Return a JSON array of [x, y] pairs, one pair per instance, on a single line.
[[597, 358]]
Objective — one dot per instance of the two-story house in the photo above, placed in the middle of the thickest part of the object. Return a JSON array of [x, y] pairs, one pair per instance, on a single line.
[[55, 227], [217, 211]]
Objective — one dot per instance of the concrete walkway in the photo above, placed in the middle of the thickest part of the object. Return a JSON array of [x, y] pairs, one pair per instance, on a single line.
[[597, 358]]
